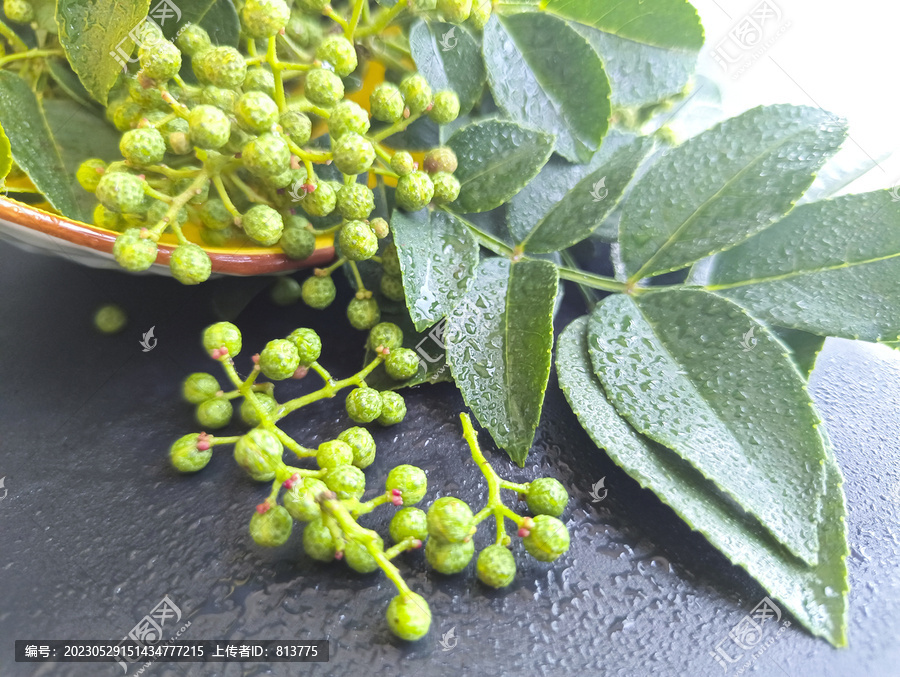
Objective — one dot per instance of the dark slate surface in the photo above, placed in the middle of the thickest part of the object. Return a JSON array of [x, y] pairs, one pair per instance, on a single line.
[[96, 529]]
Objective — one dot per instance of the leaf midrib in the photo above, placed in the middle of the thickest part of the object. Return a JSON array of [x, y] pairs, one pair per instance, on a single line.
[[492, 167]]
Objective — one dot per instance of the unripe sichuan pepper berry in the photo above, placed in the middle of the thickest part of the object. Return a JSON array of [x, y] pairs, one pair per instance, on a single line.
[[300, 500], [414, 191], [339, 52], [408, 616], [263, 224], [380, 227], [259, 80], [321, 201], [286, 290], [250, 415], [186, 456], [355, 201], [271, 526], [401, 364], [256, 111], [386, 103], [392, 287], [297, 126], [363, 313], [279, 359], [214, 413], [357, 241], [390, 260], [323, 88], [259, 454], [361, 444], [89, 174], [416, 93], [496, 566], [446, 108], [334, 453], [193, 40], [110, 319], [134, 252], [318, 541], [121, 192], [297, 243], [449, 558], [308, 344], [223, 99], [318, 292], [546, 496], [220, 66], [386, 335], [264, 18], [267, 155], [358, 558], [104, 218], [215, 215], [446, 188], [353, 154], [190, 264], [440, 160], [402, 163], [348, 116], [161, 61], [222, 335], [450, 520], [18, 11], [410, 481], [199, 387], [364, 404], [347, 481], [393, 408], [547, 539], [409, 523], [455, 11], [210, 127]]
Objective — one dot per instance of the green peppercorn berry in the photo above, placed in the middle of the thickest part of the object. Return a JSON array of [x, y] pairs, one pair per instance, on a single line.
[[236, 140], [210, 127], [220, 66], [416, 93], [215, 215], [386, 102], [110, 319], [199, 387], [409, 523], [355, 201], [446, 188], [393, 408], [446, 107], [304, 30], [190, 264], [339, 52], [214, 413], [259, 454], [318, 542], [455, 11], [300, 500], [481, 12], [282, 180], [347, 117], [410, 481], [222, 335], [161, 61], [297, 126], [267, 155], [391, 287], [256, 111], [321, 201], [186, 457], [216, 238], [408, 616], [547, 539], [390, 260], [364, 404], [126, 115], [264, 18], [263, 224], [272, 527], [308, 344], [414, 191], [496, 566], [89, 174], [323, 88], [18, 11], [259, 80], [440, 160], [353, 154], [357, 242], [450, 520], [387, 335], [223, 99], [401, 364], [380, 227], [363, 314], [449, 558], [104, 218], [334, 453], [266, 402], [358, 558], [134, 252], [201, 195], [546, 496], [121, 192], [192, 40], [403, 163], [361, 444], [279, 359], [318, 292], [286, 290], [347, 481]]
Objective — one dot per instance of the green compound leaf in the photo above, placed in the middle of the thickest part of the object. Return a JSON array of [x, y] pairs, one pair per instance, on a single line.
[[32, 145], [93, 34], [815, 596], [544, 74], [496, 159], [5, 155], [499, 341], [724, 185], [449, 58], [672, 24], [581, 210], [829, 267], [169, 20], [804, 347], [438, 256], [678, 367]]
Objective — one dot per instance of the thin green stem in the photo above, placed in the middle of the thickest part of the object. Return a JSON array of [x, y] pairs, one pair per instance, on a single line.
[[330, 389], [14, 40], [251, 194], [30, 54], [337, 18], [272, 59], [307, 155], [396, 127], [589, 298], [354, 18], [591, 280], [322, 372], [485, 239], [176, 204], [226, 199], [223, 440], [333, 267], [382, 19], [360, 287], [298, 449]]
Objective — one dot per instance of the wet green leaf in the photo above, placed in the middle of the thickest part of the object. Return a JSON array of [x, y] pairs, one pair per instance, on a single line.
[[449, 58], [5, 155], [804, 347], [222, 23]]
